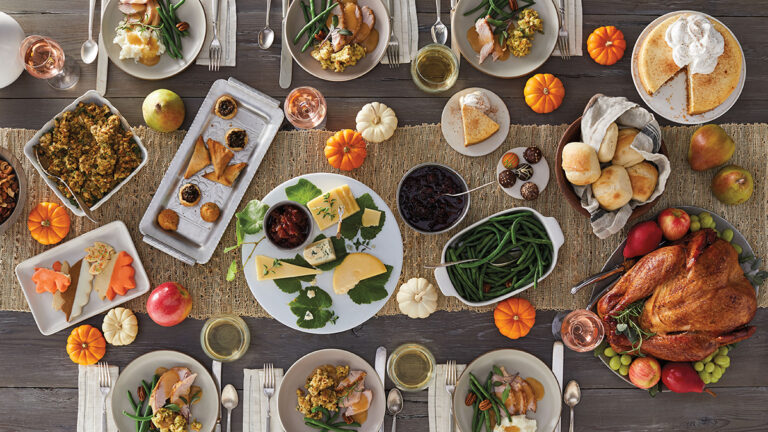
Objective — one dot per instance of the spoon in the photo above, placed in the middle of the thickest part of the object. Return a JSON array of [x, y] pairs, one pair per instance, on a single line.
[[266, 35], [572, 396], [90, 49], [439, 31], [394, 405], [44, 163], [229, 401], [468, 191]]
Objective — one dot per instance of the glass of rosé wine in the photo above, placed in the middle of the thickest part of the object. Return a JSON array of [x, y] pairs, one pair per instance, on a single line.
[[580, 330], [44, 58]]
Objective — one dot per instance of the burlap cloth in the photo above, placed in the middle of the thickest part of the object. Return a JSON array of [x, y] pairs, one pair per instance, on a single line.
[[295, 153]]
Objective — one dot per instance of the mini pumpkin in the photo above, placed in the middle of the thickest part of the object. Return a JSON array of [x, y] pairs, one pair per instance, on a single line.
[[606, 45], [86, 345], [544, 93], [514, 317], [376, 122], [48, 223], [417, 298], [120, 326], [346, 150]]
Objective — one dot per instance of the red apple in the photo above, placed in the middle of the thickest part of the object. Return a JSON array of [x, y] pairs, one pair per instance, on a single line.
[[674, 223], [645, 372], [169, 304], [642, 239]]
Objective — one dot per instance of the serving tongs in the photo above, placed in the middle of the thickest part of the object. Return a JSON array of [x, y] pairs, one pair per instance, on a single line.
[[44, 162], [621, 268]]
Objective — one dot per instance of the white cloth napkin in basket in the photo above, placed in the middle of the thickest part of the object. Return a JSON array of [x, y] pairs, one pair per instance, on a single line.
[[227, 32], [255, 403], [439, 400], [89, 399]]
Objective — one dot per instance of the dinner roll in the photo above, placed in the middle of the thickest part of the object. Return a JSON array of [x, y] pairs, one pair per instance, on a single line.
[[613, 189], [580, 163], [625, 155], [608, 146], [644, 177]]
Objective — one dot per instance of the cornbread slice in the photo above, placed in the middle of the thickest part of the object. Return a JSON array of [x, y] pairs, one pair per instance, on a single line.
[[707, 91], [655, 64], [477, 126]]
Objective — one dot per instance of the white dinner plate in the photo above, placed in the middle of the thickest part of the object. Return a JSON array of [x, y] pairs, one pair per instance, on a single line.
[[50, 321], [671, 100], [387, 247], [453, 128], [206, 411], [191, 12], [11, 35], [296, 377], [540, 174]]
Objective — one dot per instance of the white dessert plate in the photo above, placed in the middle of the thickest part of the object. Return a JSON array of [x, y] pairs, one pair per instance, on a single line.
[[540, 174], [453, 129], [11, 35]]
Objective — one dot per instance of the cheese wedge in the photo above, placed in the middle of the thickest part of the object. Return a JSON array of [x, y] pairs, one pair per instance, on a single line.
[[68, 296], [83, 291], [325, 208], [58, 300], [270, 268], [477, 126], [371, 217], [101, 280], [354, 268], [320, 252]]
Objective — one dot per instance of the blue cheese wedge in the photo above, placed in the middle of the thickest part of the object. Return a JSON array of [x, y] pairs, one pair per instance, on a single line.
[[320, 252]]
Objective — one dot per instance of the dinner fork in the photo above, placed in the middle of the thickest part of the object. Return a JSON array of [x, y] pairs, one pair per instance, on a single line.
[[214, 51], [450, 387], [105, 383], [269, 390], [562, 38], [393, 48]]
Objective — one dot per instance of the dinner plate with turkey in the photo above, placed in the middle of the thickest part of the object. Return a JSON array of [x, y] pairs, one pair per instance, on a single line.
[[475, 121], [83, 277], [688, 67], [687, 301]]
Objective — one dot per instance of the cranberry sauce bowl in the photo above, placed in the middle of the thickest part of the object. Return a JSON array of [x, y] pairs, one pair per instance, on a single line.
[[288, 225], [422, 202]]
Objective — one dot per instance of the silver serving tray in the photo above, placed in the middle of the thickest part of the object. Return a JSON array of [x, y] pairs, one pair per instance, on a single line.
[[195, 240]]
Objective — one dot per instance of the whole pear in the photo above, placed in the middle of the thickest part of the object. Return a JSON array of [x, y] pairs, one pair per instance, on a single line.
[[163, 110], [710, 147], [732, 185]]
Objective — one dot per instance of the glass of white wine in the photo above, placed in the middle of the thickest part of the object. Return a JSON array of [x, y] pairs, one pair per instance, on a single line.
[[225, 337], [410, 367], [435, 68]]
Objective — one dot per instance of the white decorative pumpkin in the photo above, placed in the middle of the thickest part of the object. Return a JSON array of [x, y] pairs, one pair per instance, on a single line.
[[376, 122], [417, 298], [120, 326]]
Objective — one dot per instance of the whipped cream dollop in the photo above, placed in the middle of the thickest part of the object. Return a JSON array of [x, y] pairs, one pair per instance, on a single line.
[[476, 99], [695, 43]]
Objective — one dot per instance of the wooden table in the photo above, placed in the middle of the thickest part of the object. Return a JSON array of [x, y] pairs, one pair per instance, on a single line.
[[39, 384]]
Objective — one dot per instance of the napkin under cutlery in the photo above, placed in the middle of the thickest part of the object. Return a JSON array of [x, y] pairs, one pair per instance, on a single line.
[[227, 32], [439, 400], [255, 403], [573, 23], [89, 399], [406, 26]]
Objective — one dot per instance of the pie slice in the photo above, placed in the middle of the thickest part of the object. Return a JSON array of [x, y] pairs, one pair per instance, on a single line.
[[220, 156], [477, 126], [200, 158], [230, 174], [655, 64], [707, 91]]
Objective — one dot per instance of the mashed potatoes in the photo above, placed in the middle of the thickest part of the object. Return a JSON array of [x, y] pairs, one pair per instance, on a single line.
[[337, 61], [138, 42], [519, 423]]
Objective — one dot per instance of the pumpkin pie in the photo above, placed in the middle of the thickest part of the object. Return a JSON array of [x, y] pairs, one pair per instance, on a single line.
[[477, 125]]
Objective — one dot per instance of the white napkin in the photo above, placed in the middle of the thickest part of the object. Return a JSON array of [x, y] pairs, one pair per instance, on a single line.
[[255, 403], [439, 400], [227, 32], [89, 399], [573, 24], [406, 29]]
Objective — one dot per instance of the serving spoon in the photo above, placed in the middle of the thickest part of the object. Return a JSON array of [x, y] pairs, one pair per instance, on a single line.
[[266, 35], [44, 163], [467, 191], [90, 49]]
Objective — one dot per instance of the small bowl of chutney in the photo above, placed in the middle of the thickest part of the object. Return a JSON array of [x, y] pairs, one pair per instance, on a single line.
[[423, 202], [288, 225]]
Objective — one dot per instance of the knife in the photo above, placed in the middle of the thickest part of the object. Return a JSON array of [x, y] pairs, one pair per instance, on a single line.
[[557, 368], [454, 39], [103, 62], [381, 360], [216, 367], [285, 56]]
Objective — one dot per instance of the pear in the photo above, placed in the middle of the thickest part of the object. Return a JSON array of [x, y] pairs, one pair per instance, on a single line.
[[710, 147], [163, 110], [732, 185]]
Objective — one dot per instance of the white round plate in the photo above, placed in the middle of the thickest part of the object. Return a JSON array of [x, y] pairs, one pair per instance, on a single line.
[[387, 246], [11, 35], [296, 377], [513, 67], [548, 409], [453, 129], [671, 100], [191, 11], [293, 23], [206, 411], [540, 174]]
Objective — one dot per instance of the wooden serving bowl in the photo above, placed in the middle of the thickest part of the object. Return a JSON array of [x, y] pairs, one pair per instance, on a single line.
[[573, 133]]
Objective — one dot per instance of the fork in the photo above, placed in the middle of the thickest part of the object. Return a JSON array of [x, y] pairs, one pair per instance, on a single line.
[[450, 387], [105, 383], [562, 38], [269, 390], [393, 48], [214, 51]]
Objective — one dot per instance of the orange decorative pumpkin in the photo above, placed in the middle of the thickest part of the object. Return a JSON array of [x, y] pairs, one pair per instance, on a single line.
[[544, 93], [514, 317], [606, 45], [48, 223], [86, 345], [346, 150]]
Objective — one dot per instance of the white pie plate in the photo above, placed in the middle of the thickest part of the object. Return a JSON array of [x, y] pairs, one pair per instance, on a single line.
[[50, 321], [206, 411], [670, 101], [453, 128], [387, 246]]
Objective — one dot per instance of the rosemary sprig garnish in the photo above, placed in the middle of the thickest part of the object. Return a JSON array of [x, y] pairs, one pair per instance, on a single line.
[[272, 269], [326, 211], [627, 325]]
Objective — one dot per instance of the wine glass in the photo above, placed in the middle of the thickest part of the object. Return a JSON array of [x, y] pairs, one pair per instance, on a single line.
[[305, 108], [43, 58], [580, 330]]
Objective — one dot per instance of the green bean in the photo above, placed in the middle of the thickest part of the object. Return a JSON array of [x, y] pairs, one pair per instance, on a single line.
[[490, 257], [176, 6], [314, 20], [135, 417], [309, 41], [482, 4], [305, 10]]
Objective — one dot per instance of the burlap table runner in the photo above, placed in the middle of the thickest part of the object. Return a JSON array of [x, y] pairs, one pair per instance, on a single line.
[[295, 153]]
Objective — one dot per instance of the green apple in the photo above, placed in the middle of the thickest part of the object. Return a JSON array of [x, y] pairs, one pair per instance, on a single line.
[[163, 110]]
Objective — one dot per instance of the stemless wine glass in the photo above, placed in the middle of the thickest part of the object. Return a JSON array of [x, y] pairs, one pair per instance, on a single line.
[[305, 108], [225, 337], [43, 58], [580, 330], [435, 68]]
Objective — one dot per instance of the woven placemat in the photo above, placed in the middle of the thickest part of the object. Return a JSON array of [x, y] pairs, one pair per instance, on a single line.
[[296, 153]]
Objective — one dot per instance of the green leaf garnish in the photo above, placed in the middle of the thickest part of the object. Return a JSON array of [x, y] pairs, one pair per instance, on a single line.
[[293, 284], [339, 247], [320, 317], [302, 192], [354, 223], [251, 219], [371, 289], [232, 271], [315, 301]]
